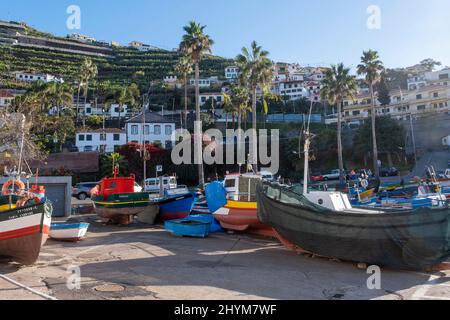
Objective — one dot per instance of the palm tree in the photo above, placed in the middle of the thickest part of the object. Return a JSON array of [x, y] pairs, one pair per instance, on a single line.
[[183, 69], [371, 66], [124, 95], [195, 43], [338, 84], [88, 70], [240, 98], [256, 71], [57, 95]]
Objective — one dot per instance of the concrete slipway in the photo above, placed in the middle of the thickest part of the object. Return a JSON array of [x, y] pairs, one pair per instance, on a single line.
[[141, 262]]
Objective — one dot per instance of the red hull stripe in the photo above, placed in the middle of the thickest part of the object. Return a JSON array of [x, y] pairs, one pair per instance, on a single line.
[[23, 232]]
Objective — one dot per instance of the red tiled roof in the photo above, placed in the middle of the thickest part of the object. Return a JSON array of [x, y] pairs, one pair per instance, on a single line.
[[6, 94]]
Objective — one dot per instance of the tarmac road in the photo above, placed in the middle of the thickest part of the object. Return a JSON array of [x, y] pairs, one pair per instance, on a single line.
[[141, 262]]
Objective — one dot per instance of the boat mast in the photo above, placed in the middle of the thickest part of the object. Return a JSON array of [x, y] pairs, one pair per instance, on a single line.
[[21, 144], [306, 151]]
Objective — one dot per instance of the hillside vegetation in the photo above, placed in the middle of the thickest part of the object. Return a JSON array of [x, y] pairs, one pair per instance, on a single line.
[[118, 70]]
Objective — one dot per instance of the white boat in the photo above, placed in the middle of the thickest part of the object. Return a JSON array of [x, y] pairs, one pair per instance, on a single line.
[[68, 231]]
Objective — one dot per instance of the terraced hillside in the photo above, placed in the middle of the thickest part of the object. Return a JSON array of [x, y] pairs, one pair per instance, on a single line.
[[119, 68]]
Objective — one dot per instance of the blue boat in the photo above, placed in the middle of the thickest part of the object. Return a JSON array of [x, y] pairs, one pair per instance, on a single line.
[[208, 218], [188, 228], [173, 207]]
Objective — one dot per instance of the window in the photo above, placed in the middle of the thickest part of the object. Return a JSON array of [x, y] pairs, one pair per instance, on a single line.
[[435, 94], [81, 137], [443, 76], [116, 137], [134, 129], [419, 96], [168, 130], [421, 107], [146, 129], [157, 129], [89, 137], [88, 110], [103, 137]]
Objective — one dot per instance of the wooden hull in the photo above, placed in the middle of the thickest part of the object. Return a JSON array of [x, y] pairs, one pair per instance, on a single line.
[[121, 208], [242, 216], [23, 231], [404, 239], [175, 208]]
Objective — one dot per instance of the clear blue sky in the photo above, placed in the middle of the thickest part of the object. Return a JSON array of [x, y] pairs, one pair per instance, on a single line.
[[308, 32]]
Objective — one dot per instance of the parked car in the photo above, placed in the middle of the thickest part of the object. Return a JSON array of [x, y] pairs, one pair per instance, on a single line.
[[82, 191], [317, 178], [388, 172], [333, 175]]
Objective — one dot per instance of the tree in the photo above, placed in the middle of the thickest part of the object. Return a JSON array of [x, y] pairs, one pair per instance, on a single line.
[[184, 69], [256, 71], [58, 95], [390, 137], [338, 84], [240, 98], [88, 70], [195, 43], [383, 91], [372, 67], [109, 162], [430, 64], [124, 95]]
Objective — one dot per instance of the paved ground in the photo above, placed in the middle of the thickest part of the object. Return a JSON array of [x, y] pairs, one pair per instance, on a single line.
[[141, 262]]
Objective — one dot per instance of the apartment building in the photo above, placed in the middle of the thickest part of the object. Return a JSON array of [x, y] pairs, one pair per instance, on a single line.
[[430, 99]]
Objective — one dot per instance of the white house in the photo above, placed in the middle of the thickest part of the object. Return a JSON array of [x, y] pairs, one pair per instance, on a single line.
[[205, 97], [30, 77], [293, 90], [6, 97], [110, 112], [232, 73], [101, 140], [142, 46], [204, 82], [156, 130], [81, 37]]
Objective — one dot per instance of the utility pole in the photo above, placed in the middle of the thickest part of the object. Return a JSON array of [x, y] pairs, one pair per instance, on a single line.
[[143, 139]]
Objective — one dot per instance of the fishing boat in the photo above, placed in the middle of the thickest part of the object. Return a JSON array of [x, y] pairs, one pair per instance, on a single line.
[[115, 200], [174, 205], [24, 222], [71, 232], [325, 223], [233, 203]]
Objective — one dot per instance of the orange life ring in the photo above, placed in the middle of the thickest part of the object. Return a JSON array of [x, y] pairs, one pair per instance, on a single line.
[[18, 185], [23, 202]]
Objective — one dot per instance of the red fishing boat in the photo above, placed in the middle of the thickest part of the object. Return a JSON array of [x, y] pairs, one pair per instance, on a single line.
[[115, 200]]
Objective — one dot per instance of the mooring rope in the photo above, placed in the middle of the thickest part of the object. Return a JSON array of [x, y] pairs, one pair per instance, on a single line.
[[43, 295]]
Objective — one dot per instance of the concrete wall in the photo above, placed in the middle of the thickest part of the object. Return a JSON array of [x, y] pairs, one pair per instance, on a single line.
[[58, 191]]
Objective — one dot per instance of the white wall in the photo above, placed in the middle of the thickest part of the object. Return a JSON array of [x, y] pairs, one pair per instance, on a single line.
[[96, 143], [152, 135]]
